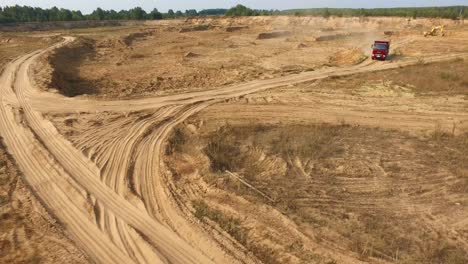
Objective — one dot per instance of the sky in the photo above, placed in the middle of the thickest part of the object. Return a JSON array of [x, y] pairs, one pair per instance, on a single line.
[[87, 6]]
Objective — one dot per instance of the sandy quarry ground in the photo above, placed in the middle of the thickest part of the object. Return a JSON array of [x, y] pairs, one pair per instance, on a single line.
[[246, 140], [28, 234], [158, 59]]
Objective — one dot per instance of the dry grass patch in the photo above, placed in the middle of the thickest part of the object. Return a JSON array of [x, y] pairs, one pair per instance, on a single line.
[[228, 148], [229, 224], [455, 155], [177, 141], [349, 186], [442, 78]]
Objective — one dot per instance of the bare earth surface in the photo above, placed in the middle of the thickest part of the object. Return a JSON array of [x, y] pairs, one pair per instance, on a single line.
[[297, 149], [27, 233]]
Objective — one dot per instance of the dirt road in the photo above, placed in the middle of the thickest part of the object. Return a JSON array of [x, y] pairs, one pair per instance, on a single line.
[[109, 189]]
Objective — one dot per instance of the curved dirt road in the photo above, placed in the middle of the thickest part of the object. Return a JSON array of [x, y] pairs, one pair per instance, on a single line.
[[109, 188]]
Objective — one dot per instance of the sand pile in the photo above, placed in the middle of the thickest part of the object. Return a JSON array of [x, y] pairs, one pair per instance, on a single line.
[[348, 57], [191, 55], [236, 28], [275, 34], [194, 28], [130, 38]]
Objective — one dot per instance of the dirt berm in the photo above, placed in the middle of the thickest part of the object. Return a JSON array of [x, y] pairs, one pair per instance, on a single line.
[[275, 34]]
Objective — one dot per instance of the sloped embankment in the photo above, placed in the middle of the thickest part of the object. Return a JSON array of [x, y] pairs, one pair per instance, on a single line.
[[298, 190], [60, 69]]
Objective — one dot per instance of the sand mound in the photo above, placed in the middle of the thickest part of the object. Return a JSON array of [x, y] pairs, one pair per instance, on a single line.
[[302, 45], [130, 38], [110, 43], [191, 55], [295, 69], [348, 57], [236, 28], [275, 34], [337, 36], [194, 28]]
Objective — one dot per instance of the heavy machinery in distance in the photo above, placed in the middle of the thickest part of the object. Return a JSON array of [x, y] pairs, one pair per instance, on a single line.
[[435, 31]]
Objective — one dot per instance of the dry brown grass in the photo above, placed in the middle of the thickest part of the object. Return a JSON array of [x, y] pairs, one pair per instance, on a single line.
[[337, 160], [443, 78], [379, 237], [229, 224], [225, 149], [177, 141], [223, 152], [455, 155]]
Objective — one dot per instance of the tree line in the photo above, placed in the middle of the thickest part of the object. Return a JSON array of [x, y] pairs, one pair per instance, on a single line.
[[35, 14], [450, 12], [241, 10]]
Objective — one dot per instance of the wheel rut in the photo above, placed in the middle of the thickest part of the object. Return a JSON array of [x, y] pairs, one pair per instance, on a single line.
[[109, 187]]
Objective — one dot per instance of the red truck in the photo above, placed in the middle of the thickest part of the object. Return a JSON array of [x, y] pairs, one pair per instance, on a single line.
[[380, 50]]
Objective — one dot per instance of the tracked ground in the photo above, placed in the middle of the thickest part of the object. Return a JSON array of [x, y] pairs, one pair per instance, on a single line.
[[382, 180], [229, 151], [28, 234]]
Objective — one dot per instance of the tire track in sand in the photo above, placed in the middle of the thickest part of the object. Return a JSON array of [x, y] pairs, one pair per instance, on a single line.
[[60, 174], [49, 182], [87, 175]]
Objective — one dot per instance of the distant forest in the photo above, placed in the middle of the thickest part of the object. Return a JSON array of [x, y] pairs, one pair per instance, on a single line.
[[9, 14], [450, 12]]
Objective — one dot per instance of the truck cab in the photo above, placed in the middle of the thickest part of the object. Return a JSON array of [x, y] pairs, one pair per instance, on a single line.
[[380, 50]]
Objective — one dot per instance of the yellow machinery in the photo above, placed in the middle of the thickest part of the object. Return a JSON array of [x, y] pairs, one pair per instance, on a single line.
[[435, 31]]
